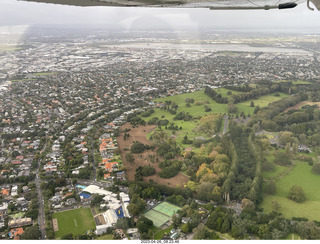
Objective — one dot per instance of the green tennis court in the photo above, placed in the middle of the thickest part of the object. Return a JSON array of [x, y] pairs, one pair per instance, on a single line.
[[166, 208], [161, 214]]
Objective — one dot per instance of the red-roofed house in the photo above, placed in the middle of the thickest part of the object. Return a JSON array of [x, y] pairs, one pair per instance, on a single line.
[[106, 176], [110, 166], [16, 233], [5, 192]]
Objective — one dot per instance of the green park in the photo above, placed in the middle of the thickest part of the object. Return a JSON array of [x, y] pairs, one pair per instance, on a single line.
[[76, 221]]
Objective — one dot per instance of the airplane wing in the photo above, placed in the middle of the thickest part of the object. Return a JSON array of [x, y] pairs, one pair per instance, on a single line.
[[212, 4]]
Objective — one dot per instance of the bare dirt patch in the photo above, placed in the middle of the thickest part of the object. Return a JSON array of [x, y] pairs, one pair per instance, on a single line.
[[55, 224], [299, 105], [139, 133]]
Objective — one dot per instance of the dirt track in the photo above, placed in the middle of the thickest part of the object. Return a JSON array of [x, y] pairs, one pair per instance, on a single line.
[[140, 134]]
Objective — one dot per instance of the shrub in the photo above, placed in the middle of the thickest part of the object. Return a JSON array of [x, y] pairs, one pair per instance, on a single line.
[[296, 194], [282, 159], [137, 147], [148, 170], [316, 168]]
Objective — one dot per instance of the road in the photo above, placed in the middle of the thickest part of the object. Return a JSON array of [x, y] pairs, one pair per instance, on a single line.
[[225, 127], [94, 173], [41, 215]]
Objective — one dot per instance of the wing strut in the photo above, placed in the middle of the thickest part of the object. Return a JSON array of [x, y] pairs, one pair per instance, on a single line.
[[266, 7]]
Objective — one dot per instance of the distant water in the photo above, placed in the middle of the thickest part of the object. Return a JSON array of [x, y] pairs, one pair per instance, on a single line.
[[4, 86], [216, 47]]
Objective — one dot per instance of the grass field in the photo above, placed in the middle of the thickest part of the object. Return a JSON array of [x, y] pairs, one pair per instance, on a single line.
[[295, 82], [43, 74], [159, 234], [161, 213], [105, 237], [189, 127], [25, 80], [272, 174], [76, 221], [224, 91], [293, 236], [199, 96], [9, 48], [262, 101], [300, 175]]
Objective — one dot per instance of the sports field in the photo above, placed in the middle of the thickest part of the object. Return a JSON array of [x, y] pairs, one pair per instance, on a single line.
[[76, 221], [161, 213]]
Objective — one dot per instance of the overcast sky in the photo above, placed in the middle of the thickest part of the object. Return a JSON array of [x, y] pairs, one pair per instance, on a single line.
[[13, 12]]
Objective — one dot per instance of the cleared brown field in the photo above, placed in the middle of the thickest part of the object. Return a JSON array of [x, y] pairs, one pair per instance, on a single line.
[[139, 133], [299, 105]]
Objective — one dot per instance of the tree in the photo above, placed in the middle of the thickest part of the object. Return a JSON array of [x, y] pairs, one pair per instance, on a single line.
[[100, 173], [133, 209], [233, 109], [316, 168], [67, 237], [123, 223], [270, 187], [137, 147], [148, 170], [31, 233], [275, 205], [129, 157], [288, 147], [204, 191], [286, 137], [294, 148], [60, 182], [282, 158], [144, 224], [296, 194]]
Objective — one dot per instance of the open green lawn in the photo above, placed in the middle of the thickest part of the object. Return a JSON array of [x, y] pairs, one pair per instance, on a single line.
[[105, 237], [198, 96], [25, 80], [45, 73], [76, 221], [293, 236], [295, 82], [272, 174], [17, 215], [189, 127], [159, 234], [9, 48], [262, 101], [300, 175], [224, 91]]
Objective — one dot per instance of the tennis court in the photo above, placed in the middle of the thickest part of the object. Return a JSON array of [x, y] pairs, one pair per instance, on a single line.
[[166, 208], [161, 214]]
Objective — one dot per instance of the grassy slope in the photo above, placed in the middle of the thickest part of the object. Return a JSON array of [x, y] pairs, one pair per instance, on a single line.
[[300, 175], [262, 101], [159, 235], [271, 174], [9, 48], [190, 126], [105, 237], [295, 82], [66, 223]]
